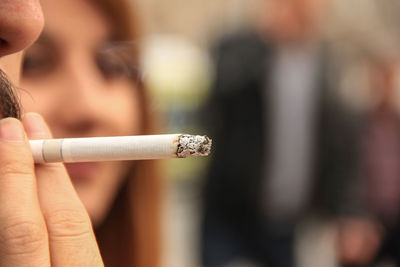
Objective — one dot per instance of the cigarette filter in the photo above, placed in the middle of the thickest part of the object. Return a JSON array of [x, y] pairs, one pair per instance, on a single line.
[[120, 148]]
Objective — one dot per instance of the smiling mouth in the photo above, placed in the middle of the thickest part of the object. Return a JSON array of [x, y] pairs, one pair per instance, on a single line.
[[9, 102]]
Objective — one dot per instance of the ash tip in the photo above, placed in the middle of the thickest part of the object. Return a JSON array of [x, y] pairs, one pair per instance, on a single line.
[[193, 145]]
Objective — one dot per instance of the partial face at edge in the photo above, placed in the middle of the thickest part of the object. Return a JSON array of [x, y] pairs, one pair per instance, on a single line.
[[20, 24]]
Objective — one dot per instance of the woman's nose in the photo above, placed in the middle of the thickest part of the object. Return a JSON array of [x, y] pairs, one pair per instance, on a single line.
[[85, 100], [21, 22]]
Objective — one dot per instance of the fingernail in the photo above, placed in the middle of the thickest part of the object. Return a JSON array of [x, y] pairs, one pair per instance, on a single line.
[[34, 124], [11, 130]]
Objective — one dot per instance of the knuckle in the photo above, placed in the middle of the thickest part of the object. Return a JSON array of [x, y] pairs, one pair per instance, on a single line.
[[22, 237], [10, 168], [68, 223]]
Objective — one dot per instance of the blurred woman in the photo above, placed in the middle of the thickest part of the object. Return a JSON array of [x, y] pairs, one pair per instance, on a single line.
[[81, 75]]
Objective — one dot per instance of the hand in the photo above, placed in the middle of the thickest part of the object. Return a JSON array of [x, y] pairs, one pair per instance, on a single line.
[[358, 240], [42, 220]]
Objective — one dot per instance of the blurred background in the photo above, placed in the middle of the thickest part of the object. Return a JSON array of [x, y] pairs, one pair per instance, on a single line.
[[301, 98], [179, 71]]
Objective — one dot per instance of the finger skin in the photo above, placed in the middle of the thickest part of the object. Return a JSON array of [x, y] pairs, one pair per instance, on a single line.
[[71, 237], [23, 234]]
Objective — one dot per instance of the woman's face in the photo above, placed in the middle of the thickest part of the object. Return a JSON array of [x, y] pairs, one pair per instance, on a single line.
[[81, 91]]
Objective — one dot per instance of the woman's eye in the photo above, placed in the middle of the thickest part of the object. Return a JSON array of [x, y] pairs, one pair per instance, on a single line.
[[37, 62], [116, 60], [112, 66]]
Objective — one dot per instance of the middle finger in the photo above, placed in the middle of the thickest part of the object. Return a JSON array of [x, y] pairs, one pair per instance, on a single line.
[[71, 237]]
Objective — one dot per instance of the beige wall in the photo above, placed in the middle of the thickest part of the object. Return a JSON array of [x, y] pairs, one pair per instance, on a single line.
[[197, 19]]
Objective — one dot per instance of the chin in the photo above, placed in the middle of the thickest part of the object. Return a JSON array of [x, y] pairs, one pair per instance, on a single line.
[[95, 207], [97, 185], [96, 218]]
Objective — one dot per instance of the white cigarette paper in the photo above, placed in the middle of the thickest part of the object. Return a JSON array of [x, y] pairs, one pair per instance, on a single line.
[[142, 147]]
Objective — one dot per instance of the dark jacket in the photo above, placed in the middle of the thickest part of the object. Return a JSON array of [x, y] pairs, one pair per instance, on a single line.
[[238, 121]]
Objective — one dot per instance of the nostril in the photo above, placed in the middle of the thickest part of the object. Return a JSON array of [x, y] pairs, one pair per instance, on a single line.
[[3, 42], [21, 22], [4, 46]]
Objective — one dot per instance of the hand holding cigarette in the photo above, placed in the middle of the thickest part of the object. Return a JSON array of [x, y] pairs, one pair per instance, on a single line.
[[120, 148], [44, 222]]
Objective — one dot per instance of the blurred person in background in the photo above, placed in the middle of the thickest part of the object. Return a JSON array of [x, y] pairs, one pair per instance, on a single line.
[[283, 143], [374, 199], [81, 75], [366, 48]]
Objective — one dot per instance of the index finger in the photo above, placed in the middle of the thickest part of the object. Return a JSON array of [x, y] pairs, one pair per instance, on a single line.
[[71, 237]]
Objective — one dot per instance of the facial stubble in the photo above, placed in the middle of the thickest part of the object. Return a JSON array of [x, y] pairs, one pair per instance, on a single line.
[[9, 102]]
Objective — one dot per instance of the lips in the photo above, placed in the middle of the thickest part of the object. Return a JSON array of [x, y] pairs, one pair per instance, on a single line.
[[82, 172]]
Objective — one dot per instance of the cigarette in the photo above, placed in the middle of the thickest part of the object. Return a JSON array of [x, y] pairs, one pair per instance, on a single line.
[[142, 147]]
